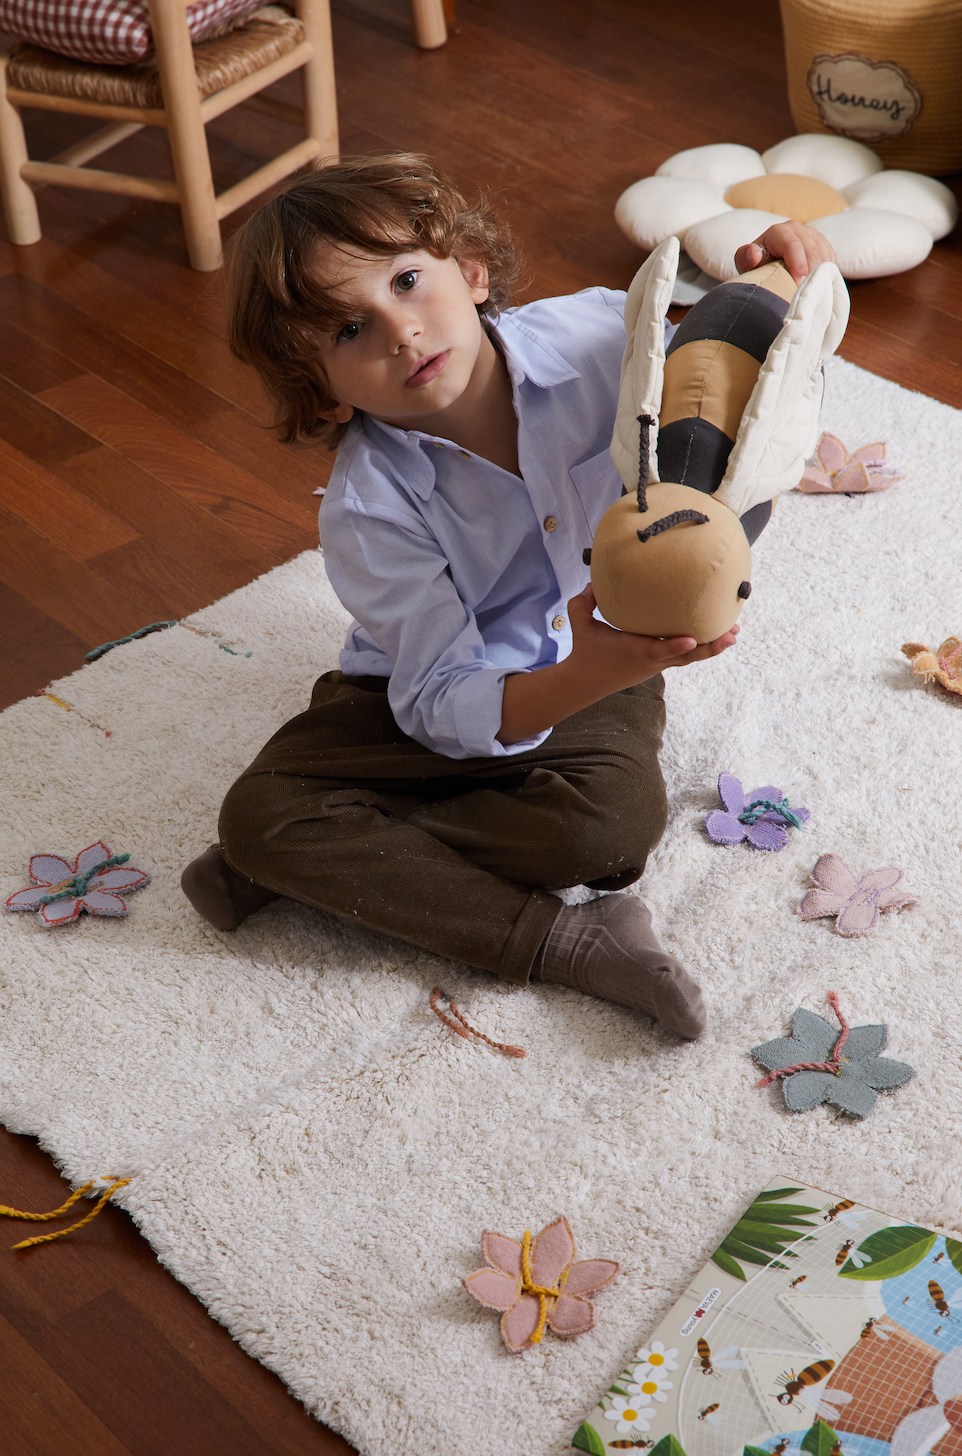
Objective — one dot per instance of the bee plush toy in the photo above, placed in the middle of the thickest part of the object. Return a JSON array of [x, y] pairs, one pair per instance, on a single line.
[[706, 437]]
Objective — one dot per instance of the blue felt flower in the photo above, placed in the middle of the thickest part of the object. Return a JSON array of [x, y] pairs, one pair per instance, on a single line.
[[760, 817], [847, 1070]]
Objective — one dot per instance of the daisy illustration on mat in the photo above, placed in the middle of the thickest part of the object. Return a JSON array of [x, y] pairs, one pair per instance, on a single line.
[[805, 1339]]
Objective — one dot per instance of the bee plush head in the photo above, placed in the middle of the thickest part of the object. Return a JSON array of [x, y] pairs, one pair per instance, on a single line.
[[734, 410]]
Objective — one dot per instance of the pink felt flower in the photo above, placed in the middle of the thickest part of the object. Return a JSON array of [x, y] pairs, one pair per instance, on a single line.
[[63, 891], [835, 472], [540, 1283], [857, 903]]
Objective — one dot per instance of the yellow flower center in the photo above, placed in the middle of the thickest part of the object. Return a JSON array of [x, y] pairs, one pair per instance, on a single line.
[[649, 1387], [656, 1359], [629, 1415], [789, 194]]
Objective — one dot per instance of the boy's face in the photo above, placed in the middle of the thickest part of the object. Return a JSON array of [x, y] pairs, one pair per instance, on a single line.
[[415, 337]]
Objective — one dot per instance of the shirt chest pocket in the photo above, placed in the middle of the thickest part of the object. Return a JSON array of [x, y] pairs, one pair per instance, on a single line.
[[598, 485]]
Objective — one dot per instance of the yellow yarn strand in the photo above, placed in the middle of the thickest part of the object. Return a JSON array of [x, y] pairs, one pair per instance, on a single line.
[[58, 1212], [544, 1294]]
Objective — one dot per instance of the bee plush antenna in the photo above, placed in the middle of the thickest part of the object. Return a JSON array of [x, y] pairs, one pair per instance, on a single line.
[[644, 460]]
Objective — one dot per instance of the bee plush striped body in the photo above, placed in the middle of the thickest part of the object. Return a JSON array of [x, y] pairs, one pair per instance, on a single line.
[[705, 438]]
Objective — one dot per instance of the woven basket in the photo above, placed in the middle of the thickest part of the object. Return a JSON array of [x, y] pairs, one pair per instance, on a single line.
[[885, 72]]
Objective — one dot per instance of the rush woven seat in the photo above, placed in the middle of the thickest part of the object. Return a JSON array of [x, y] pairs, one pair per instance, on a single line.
[[260, 38]]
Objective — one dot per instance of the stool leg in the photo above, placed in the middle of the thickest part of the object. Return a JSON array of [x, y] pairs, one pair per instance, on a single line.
[[185, 131], [320, 94], [430, 28], [19, 203]]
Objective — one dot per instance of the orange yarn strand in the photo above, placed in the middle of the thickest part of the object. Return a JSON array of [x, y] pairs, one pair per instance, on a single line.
[[465, 1027], [58, 1212]]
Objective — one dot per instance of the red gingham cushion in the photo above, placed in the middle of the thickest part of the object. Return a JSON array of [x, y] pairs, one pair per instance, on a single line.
[[110, 32]]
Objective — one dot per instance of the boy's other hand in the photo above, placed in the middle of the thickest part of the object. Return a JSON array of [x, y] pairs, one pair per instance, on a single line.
[[619, 660], [800, 247], [602, 661]]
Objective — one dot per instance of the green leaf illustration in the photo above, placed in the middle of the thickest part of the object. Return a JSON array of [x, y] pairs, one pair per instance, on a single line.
[[892, 1251], [765, 1229], [586, 1438], [954, 1250], [820, 1439], [727, 1264], [667, 1446]]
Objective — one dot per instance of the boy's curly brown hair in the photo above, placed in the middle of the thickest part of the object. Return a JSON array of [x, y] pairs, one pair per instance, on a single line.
[[378, 205]]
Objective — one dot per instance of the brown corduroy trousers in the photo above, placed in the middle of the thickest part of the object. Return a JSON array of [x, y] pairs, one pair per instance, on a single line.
[[343, 811]]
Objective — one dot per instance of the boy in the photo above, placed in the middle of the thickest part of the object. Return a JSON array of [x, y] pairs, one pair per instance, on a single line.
[[487, 739]]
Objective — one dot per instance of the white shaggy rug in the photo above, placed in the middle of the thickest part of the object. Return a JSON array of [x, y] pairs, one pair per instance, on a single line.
[[316, 1156]]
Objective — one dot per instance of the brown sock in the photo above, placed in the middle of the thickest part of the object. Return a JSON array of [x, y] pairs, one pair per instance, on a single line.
[[607, 948], [222, 896]]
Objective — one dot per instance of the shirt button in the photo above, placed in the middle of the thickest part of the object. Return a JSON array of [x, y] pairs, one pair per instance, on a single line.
[[550, 522], [558, 622]]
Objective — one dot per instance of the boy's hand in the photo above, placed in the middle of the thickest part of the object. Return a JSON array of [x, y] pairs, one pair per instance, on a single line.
[[615, 660], [602, 661], [800, 247]]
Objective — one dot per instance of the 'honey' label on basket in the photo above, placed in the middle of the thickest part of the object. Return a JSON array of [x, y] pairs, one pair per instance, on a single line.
[[871, 101]]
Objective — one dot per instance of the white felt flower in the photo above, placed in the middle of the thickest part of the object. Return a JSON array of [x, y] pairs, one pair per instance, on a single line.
[[630, 1414], [655, 1358], [649, 1385], [716, 198]]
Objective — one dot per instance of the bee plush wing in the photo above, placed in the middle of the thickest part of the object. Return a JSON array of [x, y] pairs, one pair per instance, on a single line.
[[780, 422], [643, 363]]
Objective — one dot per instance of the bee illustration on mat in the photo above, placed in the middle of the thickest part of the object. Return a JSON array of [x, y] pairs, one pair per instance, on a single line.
[[841, 1212], [872, 1326], [849, 1251], [939, 1255], [944, 1306], [629, 1445], [725, 1360], [798, 1384], [712, 1413], [796, 1282]]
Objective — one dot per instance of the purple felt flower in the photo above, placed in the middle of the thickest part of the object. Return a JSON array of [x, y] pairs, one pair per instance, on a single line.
[[760, 817], [857, 903], [63, 891]]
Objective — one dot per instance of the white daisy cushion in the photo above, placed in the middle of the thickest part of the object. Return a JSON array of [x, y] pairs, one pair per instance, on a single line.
[[106, 32], [716, 198]]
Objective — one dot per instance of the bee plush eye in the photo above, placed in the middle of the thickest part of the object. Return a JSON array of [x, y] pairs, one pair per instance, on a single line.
[[745, 590]]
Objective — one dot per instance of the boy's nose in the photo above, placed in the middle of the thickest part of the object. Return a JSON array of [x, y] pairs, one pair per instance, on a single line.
[[403, 329]]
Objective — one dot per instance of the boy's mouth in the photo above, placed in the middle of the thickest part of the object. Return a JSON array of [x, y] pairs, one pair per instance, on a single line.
[[427, 370]]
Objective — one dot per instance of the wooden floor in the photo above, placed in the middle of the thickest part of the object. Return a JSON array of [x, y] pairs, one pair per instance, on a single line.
[[138, 482]]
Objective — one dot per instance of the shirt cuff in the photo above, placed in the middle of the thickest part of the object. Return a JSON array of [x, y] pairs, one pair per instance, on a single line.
[[478, 706]]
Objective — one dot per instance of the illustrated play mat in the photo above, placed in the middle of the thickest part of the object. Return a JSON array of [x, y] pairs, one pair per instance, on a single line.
[[818, 1327]]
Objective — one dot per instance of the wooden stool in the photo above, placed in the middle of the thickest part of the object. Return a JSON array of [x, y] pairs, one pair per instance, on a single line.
[[886, 74], [190, 86]]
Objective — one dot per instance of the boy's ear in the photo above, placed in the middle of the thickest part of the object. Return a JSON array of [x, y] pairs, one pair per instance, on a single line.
[[337, 413], [475, 275]]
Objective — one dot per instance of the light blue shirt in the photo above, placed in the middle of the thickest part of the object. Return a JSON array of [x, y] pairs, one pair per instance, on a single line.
[[457, 572]]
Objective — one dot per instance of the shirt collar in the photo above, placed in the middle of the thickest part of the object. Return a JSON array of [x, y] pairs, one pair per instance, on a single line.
[[527, 358]]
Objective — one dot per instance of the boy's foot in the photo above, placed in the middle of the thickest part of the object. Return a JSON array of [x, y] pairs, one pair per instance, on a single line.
[[607, 948], [222, 896]]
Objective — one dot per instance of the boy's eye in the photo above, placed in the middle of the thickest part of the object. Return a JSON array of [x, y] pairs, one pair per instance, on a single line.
[[405, 281], [348, 332]]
